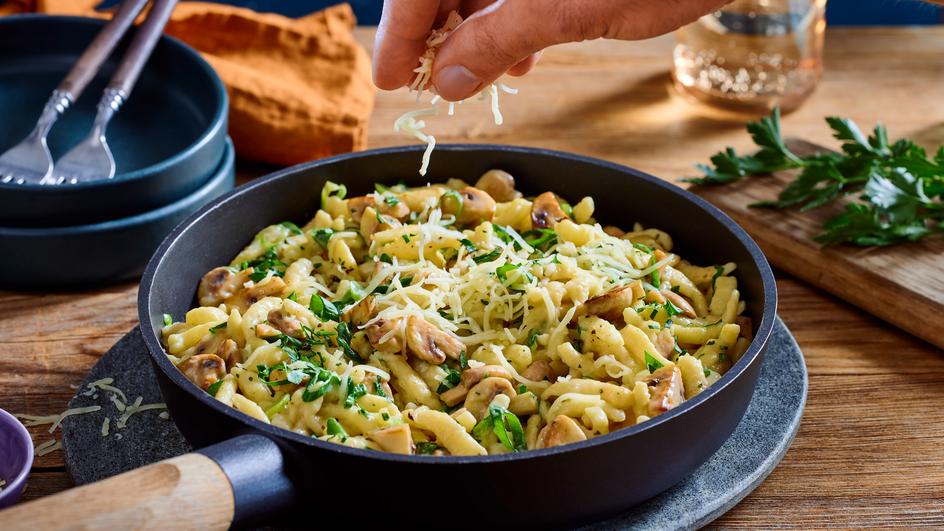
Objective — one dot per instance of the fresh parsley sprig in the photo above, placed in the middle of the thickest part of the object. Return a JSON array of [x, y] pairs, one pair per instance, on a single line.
[[898, 188]]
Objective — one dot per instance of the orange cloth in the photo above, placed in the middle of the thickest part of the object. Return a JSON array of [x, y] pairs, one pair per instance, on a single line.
[[299, 89]]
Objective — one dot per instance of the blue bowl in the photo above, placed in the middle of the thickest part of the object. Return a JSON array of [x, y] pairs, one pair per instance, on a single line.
[[168, 138], [84, 255], [16, 458]]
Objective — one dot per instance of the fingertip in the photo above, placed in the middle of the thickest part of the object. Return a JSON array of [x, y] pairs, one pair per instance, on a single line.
[[456, 82]]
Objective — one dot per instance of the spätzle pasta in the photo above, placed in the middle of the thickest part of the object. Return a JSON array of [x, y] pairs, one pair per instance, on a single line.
[[452, 319]]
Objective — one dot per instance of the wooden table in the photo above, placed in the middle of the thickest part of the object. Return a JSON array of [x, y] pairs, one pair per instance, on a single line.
[[870, 451]]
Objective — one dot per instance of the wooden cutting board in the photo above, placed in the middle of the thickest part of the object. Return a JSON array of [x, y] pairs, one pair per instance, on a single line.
[[901, 284]]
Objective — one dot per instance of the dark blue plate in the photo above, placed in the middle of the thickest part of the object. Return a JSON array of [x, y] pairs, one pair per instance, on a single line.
[[167, 139], [83, 255]]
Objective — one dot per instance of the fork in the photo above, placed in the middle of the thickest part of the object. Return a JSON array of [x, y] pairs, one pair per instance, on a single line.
[[30, 160], [91, 159]]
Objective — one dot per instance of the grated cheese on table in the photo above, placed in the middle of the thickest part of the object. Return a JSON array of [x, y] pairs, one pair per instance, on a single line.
[[408, 123], [48, 447]]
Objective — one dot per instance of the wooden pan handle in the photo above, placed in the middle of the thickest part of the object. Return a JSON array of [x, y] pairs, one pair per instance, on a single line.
[[186, 492]]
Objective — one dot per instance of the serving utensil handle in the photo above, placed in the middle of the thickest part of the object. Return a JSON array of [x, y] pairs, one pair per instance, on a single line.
[[234, 482], [98, 51], [141, 46]]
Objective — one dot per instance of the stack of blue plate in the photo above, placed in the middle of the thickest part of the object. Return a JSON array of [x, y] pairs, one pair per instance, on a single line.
[[169, 142]]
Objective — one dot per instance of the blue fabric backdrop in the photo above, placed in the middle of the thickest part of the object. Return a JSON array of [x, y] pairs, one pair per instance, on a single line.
[[839, 12]]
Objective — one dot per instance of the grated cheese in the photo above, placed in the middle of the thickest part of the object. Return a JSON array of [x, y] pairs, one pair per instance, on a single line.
[[135, 408], [421, 82], [47, 447], [105, 426], [54, 420]]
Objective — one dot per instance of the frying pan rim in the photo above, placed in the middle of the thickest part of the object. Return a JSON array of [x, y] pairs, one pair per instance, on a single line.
[[757, 346]]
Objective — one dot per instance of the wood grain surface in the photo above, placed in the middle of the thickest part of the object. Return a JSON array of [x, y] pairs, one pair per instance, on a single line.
[[896, 283], [869, 451]]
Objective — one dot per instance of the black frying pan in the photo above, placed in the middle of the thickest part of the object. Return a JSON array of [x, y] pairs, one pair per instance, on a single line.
[[273, 472]]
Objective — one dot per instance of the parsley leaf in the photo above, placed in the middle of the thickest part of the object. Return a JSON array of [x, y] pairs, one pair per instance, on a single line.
[[652, 363], [896, 189]]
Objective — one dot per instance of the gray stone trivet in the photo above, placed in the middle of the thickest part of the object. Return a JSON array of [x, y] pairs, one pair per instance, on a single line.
[[742, 463]]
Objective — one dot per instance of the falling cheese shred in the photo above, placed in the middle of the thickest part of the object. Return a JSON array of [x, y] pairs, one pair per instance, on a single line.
[[408, 123]]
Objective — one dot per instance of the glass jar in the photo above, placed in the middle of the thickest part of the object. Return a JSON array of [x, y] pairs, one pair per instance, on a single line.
[[752, 55]]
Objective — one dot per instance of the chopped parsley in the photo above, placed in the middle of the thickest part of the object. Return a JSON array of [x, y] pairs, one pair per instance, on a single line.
[[489, 257], [406, 238], [293, 228], [278, 407], [469, 246], [214, 387], [268, 261], [463, 361], [323, 309], [333, 427], [643, 248], [533, 338], [707, 371], [505, 425], [168, 319], [671, 309], [451, 380], [426, 447], [379, 390], [344, 341], [354, 391], [321, 236], [385, 258], [522, 389], [217, 328], [541, 239], [652, 363], [292, 297], [391, 200]]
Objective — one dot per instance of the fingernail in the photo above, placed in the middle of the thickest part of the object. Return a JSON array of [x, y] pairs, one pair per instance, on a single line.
[[456, 81]]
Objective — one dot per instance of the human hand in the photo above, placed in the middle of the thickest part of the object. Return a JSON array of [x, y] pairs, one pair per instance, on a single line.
[[506, 36]]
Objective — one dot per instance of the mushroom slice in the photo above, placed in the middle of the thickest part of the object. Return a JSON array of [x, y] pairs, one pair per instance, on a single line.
[[474, 375], [284, 323], [394, 439], [380, 328], [614, 231], [562, 430], [537, 371], [474, 207], [665, 343], [679, 302], [203, 369], [228, 352], [665, 390], [747, 326], [357, 206], [430, 343], [546, 211], [484, 392], [373, 222], [358, 314], [610, 305], [246, 297], [454, 395], [220, 284], [499, 184]]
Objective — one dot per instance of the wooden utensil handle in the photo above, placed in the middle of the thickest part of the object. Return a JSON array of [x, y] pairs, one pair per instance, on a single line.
[[141, 47], [186, 492], [101, 47]]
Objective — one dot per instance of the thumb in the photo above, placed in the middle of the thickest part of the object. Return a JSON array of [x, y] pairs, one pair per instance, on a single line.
[[488, 44]]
